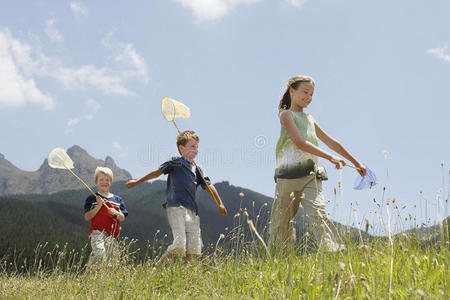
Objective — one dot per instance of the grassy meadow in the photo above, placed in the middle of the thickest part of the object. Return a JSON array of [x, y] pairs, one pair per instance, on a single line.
[[413, 264], [403, 267]]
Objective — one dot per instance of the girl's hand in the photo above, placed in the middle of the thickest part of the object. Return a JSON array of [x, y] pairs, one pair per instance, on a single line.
[[337, 161], [131, 183], [362, 170]]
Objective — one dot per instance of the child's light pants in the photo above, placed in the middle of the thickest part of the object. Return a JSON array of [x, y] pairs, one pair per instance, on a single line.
[[185, 225], [103, 247], [289, 193]]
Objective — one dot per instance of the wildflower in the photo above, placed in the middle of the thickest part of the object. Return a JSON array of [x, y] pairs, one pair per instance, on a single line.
[[237, 215], [241, 194], [292, 195], [323, 229], [341, 266], [221, 236], [246, 213]]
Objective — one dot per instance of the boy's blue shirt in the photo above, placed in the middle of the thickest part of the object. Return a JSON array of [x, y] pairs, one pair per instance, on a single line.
[[182, 183]]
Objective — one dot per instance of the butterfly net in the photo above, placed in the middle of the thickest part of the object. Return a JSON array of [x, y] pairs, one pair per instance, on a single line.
[[59, 159], [365, 182], [172, 109]]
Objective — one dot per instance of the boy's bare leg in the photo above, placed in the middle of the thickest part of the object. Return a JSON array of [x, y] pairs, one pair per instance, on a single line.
[[191, 258], [164, 258]]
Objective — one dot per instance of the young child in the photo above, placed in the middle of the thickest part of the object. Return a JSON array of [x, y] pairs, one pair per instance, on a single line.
[[105, 211], [298, 175], [180, 205]]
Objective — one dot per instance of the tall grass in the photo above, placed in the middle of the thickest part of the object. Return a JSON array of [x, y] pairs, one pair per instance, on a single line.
[[410, 265], [419, 270]]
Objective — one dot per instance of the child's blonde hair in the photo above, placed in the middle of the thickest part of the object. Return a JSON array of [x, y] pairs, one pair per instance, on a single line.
[[294, 83], [183, 138], [104, 170]]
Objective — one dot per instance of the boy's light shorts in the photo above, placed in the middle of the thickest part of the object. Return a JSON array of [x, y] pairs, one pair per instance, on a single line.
[[185, 225], [103, 247]]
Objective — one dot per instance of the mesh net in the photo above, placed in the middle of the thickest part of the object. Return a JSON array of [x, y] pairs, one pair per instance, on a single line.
[[59, 159], [172, 109], [365, 182]]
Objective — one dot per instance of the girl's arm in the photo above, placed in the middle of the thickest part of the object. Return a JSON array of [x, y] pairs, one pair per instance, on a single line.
[[151, 175], [338, 148], [288, 123]]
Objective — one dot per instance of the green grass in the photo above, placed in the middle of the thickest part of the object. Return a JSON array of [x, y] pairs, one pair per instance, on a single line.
[[420, 271]]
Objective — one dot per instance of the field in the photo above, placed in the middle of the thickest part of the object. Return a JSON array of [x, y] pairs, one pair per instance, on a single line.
[[402, 267]]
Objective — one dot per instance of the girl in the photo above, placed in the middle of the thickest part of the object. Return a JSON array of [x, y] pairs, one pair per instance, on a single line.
[[298, 175]]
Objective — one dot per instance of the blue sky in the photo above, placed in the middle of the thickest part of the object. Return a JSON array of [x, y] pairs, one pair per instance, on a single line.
[[92, 73]]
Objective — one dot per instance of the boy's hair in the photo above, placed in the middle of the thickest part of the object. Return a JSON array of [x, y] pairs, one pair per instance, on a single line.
[[293, 82], [183, 138], [107, 171]]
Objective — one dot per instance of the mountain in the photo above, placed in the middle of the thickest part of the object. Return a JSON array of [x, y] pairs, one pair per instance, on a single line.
[[30, 220], [47, 206], [47, 180]]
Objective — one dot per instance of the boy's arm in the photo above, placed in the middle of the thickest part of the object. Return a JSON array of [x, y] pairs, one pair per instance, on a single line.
[[215, 195], [90, 214], [116, 214], [154, 174]]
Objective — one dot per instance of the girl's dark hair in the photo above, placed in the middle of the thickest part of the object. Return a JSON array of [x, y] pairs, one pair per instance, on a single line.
[[293, 82]]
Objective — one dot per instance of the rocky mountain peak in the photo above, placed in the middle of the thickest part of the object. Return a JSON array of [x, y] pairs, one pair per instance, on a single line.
[[48, 180]]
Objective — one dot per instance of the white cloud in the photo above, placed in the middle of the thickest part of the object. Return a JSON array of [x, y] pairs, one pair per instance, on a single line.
[[127, 57], [21, 63], [119, 148], [441, 53], [79, 9], [297, 3], [52, 32], [71, 123], [18, 88], [90, 108], [86, 76], [209, 10]]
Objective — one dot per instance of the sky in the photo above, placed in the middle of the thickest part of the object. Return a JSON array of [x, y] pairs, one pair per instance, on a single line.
[[93, 73]]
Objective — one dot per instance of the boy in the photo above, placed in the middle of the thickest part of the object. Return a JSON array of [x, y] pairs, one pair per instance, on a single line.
[[105, 211], [180, 205]]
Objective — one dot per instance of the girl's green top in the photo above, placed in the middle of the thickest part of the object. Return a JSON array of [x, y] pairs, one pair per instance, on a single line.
[[291, 162]]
